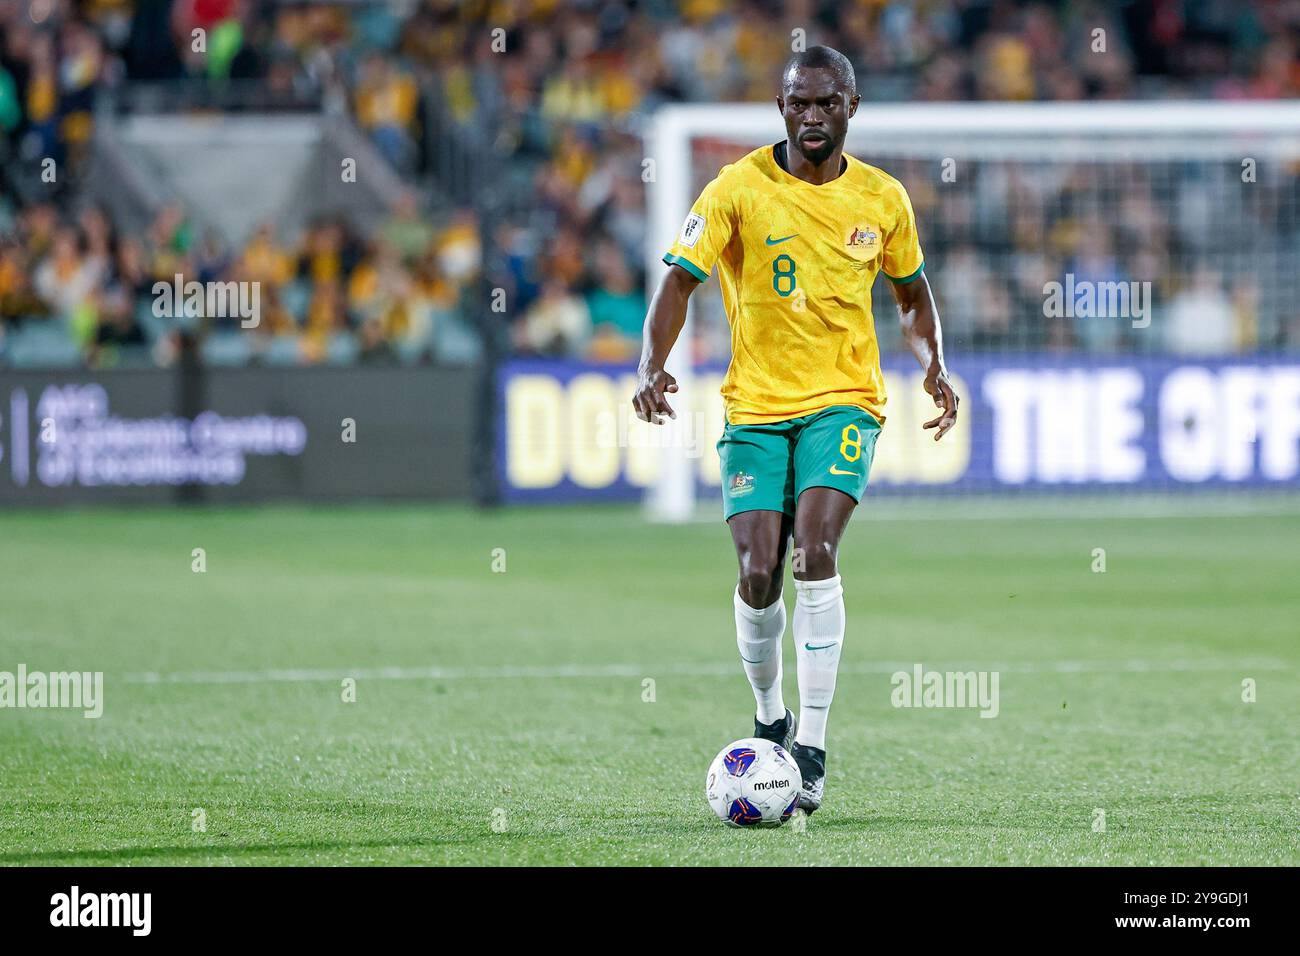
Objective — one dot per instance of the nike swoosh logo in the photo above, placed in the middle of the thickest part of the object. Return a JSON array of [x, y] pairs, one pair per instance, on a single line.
[[840, 471], [818, 647], [776, 242]]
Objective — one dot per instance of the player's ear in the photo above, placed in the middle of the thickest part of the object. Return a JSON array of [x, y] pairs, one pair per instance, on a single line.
[[853, 104], [780, 103]]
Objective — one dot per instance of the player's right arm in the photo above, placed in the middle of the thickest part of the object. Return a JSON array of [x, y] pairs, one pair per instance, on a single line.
[[904, 264], [663, 324], [705, 233]]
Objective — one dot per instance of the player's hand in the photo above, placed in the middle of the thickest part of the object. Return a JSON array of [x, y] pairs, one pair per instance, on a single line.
[[941, 390], [649, 401]]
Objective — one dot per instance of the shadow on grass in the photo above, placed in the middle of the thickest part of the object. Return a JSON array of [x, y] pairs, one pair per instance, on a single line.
[[142, 853]]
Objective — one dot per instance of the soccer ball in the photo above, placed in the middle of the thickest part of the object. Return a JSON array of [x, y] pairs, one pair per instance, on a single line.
[[753, 783]]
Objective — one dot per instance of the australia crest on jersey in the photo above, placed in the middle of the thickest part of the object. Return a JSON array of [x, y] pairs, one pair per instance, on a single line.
[[863, 237], [863, 243], [741, 484]]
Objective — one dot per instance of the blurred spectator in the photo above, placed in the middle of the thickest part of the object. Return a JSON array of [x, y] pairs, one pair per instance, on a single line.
[[616, 306], [69, 276], [407, 230], [1094, 262], [264, 259], [1201, 320], [386, 101], [557, 324]]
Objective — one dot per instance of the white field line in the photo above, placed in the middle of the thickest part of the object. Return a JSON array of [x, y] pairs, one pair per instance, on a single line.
[[1025, 508], [1047, 507], [596, 671], [878, 510]]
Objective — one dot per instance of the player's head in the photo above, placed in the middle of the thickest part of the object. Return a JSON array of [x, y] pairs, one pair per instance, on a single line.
[[818, 95]]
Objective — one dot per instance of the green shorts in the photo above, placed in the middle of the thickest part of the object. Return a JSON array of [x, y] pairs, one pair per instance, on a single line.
[[767, 467]]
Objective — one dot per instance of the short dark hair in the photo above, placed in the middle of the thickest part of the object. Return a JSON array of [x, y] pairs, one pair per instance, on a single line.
[[823, 58]]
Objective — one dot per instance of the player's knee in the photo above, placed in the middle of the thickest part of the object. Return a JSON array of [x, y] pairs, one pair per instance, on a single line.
[[815, 559], [760, 579]]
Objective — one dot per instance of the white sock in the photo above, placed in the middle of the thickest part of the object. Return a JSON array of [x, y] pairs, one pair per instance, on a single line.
[[818, 637], [758, 635]]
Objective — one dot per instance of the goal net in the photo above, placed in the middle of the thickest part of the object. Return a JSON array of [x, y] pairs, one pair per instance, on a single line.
[[1119, 286]]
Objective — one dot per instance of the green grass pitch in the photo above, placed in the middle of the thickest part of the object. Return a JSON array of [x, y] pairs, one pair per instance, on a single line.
[[502, 718]]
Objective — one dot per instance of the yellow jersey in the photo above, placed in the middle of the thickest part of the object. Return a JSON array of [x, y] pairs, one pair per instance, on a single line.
[[797, 262]]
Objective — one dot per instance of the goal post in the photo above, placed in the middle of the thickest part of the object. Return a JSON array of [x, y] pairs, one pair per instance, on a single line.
[[1160, 178]]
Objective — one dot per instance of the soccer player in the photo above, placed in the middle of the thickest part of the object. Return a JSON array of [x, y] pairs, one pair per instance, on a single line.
[[799, 231]]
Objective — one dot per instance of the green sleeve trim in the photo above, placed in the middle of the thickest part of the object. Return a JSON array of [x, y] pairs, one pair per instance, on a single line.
[[912, 278], [686, 264]]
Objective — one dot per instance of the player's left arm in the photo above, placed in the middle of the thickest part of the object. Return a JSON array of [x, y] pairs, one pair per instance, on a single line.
[[919, 319], [904, 264]]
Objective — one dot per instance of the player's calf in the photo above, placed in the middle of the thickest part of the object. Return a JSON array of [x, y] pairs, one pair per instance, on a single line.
[[758, 638], [819, 637]]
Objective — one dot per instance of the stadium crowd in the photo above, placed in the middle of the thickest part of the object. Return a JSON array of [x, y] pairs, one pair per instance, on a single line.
[[567, 84]]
